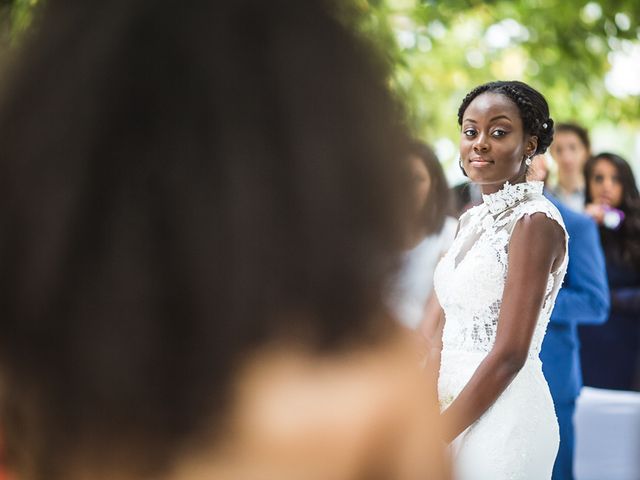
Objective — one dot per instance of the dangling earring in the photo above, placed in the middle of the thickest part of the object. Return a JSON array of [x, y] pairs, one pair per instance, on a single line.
[[528, 161], [460, 164]]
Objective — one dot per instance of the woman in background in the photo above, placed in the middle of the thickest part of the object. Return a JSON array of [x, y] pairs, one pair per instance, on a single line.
[[609, 352], [571, 148], [431, 234]]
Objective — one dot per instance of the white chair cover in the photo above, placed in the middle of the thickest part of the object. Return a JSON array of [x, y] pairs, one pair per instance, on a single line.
[[607, 424]]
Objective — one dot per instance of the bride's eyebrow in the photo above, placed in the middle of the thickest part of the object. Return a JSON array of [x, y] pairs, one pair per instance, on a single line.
[[492, 119]]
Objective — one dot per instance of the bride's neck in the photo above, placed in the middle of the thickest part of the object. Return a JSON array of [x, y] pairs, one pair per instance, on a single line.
[[490, 188]]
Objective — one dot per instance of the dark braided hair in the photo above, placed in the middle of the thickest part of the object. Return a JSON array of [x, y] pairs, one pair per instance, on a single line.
[[533, 107]]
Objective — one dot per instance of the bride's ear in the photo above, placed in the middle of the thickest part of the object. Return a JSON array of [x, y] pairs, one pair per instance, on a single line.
[[532, 145]]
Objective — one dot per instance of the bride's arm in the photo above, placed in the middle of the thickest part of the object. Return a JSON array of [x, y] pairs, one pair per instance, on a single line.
[[536, 248]]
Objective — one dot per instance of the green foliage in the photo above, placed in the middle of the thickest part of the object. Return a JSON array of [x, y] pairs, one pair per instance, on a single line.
[[439, 50], [563, 47], [15, 18], [21, 16]]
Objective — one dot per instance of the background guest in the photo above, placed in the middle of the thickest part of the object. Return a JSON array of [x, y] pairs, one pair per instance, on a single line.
[[582, 300], [465, 195], [570, 149], [610, 351], [431, 234], [200, 211]]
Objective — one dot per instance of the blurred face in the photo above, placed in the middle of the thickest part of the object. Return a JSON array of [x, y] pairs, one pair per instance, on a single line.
[[569, 153], [493, 144], [605, 185], [421, 182], [538, 170]]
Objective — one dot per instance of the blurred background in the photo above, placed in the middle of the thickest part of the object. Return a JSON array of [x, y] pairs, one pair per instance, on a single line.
[[583, 55]]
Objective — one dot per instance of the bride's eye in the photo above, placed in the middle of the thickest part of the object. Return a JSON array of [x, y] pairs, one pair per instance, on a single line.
[[498, 132], [469, 132]]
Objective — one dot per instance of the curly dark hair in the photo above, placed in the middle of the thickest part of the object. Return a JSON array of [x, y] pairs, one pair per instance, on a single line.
[[178, 188], [624, 243], [533, 107], [438, 203]]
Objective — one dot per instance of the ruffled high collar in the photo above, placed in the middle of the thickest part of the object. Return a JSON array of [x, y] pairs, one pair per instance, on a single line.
[[510, 195]]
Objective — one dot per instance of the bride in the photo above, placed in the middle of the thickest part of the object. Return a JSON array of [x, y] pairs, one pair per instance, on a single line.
[[497, 285]]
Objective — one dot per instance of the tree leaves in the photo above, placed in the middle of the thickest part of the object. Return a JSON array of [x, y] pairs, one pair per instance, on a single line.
[[439, 50], [562, 47]]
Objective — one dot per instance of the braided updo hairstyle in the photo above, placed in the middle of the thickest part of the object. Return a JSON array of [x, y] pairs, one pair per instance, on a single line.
[[533, 107]]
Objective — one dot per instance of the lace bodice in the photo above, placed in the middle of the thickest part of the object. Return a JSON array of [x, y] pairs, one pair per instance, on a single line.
[[469, 280]]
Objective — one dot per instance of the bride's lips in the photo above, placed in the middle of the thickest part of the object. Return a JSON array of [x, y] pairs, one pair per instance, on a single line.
[[479, 162]]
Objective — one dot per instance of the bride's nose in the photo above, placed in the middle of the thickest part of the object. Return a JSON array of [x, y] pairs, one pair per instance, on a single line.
[[480, 144]]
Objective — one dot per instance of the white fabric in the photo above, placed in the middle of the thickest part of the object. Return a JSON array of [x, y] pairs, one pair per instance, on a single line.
[[517, 438], [607, 424], [414, 282]]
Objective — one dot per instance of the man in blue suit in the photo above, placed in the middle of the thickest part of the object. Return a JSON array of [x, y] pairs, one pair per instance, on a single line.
[[583, 299]]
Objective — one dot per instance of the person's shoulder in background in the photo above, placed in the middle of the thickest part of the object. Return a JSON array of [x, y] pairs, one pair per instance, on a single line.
[[465, 196], [569, 215], [584, 297]]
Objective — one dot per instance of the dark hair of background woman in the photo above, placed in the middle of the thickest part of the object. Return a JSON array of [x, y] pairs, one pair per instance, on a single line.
[[577, 130], [532, 105], [626, 241], [438, 203], [178, 187]]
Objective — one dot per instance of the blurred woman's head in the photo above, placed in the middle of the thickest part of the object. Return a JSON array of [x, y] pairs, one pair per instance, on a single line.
[[570, 149], [430, 188], [180, 187], [610, 181]]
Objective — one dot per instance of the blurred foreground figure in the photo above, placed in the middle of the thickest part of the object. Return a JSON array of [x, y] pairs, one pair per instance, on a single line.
[[200, 210]]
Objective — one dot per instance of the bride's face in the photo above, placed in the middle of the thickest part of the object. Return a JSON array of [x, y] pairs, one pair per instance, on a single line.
[[493, 144]]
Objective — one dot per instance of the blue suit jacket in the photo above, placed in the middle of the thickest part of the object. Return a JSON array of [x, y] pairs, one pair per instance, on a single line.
[[583, 299]]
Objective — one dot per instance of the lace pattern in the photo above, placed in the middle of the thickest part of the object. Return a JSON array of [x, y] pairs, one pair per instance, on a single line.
[[517, 438], [469, 280]]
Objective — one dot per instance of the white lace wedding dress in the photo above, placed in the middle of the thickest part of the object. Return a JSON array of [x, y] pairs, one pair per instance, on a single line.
[[517, 437]]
